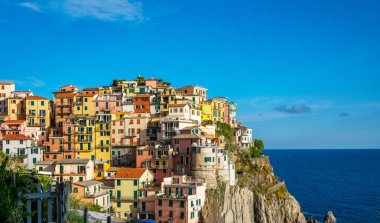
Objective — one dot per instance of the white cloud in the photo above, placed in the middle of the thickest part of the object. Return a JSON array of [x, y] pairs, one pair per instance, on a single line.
[[31, 5], [35, 82], [105, 10], [109, 10]]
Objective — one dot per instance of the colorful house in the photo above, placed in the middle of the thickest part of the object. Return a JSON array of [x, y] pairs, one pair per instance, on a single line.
[[6, 87], [22, 147], [38, 111], [93, 192], [133, 195], [180, 200]]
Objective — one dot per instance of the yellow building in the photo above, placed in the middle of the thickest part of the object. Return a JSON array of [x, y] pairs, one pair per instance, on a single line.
[[84, 136], [217, 106], [133, 196], [16, 108], [16, 105], [105, 90], [206, 112], [38, 111], [84, 104], [102, 141], [100, 169], [168, 97]]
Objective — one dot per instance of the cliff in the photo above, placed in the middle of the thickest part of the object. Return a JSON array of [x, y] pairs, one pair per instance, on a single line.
[[258, 196]]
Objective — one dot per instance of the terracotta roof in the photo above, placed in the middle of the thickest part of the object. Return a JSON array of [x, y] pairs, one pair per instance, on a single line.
[[85, 95], [16, 137], [241, 127], [130, 173], [36, 98], [64, 95], [177, 105], [14, 121]]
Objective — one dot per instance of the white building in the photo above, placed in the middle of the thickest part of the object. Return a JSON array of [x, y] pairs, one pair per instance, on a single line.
[[170, 126], [22, 147], [243, 137], [6, 87], [77, 169]]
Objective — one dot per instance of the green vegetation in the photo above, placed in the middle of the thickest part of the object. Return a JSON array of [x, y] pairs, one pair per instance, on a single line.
[[257, 150], [15, 180]]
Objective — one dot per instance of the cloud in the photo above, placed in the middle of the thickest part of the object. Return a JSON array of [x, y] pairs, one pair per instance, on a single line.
[[104, 10], [343, 114], [35, 82], [31, 5], [110, 10], [295, 109]]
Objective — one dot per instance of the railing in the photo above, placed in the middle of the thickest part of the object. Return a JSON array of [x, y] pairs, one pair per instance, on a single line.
[[160, 166], [124, 198], [97, 194], [130, 135], [60, 195]]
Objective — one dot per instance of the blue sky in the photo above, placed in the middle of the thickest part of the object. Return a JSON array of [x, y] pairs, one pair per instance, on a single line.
[[305, 74]]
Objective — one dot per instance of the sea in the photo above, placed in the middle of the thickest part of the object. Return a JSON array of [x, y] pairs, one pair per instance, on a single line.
[[345, 181]]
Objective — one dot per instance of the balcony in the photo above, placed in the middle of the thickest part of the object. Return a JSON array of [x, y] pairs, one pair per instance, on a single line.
[[160, 167], [130, 135], [123, 198], [68, 132], [96, 194], [64, 104], [83, 140], [161, 157], [83, 132]]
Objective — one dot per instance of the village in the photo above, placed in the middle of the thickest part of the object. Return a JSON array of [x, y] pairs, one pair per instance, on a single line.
[[139, 149]]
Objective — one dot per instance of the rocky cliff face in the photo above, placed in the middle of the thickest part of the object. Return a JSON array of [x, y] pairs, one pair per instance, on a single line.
[[258, 197]]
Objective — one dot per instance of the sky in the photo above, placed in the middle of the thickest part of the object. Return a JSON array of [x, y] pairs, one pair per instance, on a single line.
[[305, 73]]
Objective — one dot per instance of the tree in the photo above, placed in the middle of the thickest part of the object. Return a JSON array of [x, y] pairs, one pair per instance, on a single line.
[[257, 149]]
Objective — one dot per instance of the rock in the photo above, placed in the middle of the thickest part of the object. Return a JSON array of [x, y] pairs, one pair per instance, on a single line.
[[311, 220], [329, 218]]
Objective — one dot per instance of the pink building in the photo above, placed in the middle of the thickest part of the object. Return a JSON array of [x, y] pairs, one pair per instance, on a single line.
[[182, 151], [12, 127], [108, 104], [180, 200]]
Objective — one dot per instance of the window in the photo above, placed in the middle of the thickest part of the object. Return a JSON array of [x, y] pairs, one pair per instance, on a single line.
[[192, 215], [21, 141], [7, 151], [42, 103], [85, 108], [160, 213], [190, 191], [159, 202], [134, 182], [75, 190], [192, 203], [170, 203], [118, 204], [182, 204], [34, 160], [182, 215], [80, 179], [118, 182]]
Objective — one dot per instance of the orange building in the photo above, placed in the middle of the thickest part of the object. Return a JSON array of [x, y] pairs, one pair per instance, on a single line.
[[63, 107], [141, 103]]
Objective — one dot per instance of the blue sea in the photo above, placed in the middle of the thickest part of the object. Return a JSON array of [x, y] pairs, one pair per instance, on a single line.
[[347, 182]]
